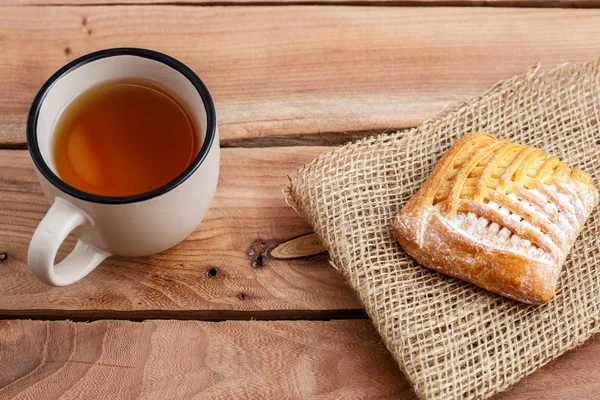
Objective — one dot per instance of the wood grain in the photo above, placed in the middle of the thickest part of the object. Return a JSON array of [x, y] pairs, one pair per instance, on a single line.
[[200, 360], [222, 270], [413, 3], [249, 359], [301, 69], [302, 246]]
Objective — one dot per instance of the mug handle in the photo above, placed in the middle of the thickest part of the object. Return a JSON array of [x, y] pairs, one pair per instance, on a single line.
[[54, 228]]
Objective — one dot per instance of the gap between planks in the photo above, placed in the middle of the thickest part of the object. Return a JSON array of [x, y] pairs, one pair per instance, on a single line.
[[182, 315], [307, 139]]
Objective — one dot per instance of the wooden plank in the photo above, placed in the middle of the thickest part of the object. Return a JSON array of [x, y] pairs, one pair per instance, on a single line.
[[243, 359], [411, 3], [223, 270], [301, 69], [175, 359]]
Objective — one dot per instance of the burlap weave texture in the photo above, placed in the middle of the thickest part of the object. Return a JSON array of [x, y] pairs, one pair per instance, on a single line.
[[452, 339]]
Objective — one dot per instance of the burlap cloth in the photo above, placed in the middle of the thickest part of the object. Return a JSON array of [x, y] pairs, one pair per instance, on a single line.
[[451, 339]]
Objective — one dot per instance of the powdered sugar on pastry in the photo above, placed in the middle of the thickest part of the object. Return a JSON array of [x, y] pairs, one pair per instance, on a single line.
[[498, 214], [489, 233]]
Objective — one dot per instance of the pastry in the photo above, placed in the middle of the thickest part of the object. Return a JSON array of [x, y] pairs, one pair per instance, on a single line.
[[499, 215]]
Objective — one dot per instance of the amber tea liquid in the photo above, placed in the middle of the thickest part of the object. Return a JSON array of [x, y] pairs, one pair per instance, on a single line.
[[122, 138]]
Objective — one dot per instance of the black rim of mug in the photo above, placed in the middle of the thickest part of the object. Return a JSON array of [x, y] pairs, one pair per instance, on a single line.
[[32, 120]]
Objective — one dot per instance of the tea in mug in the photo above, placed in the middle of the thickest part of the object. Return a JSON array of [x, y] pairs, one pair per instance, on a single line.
[[122, 138]]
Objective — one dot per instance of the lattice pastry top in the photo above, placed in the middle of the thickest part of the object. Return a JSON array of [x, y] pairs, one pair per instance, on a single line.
[[499, 215]]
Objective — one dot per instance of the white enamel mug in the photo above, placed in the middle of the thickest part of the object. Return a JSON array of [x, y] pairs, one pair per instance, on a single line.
[[137, 225]]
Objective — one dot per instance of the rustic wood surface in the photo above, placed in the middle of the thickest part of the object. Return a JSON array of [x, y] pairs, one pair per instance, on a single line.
[[281, 71], [289, 81], [234, 359], [413, 3], [302, 246], [224, 267]]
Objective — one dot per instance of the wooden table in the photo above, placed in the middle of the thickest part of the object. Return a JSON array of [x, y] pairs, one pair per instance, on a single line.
[[226, 314]]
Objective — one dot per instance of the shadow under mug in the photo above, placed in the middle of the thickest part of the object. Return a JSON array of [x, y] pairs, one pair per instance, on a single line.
[[137, 225]]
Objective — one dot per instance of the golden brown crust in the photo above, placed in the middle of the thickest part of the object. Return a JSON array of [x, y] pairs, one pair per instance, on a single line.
[[499, 215]]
